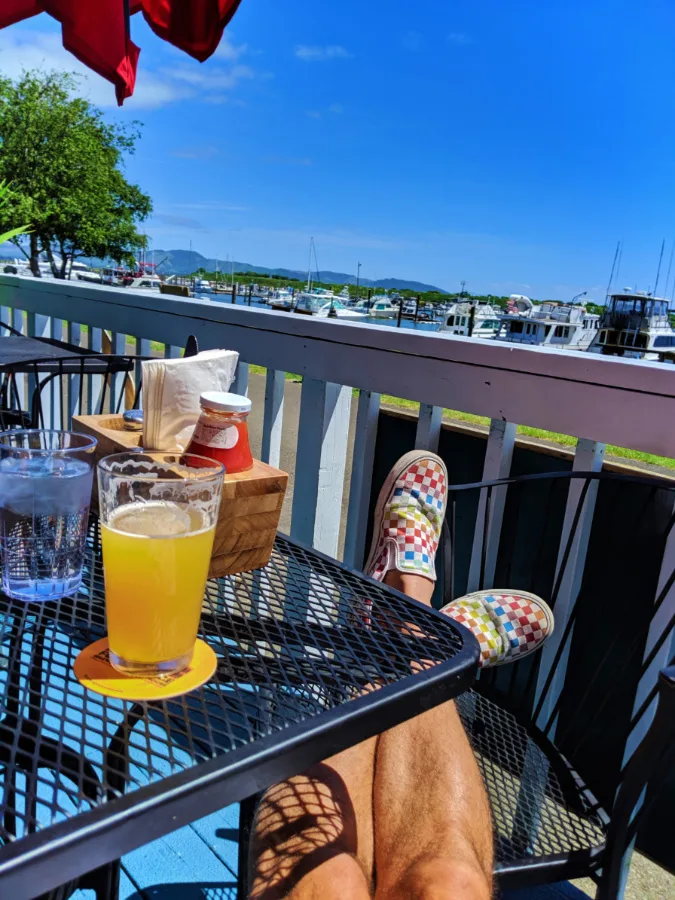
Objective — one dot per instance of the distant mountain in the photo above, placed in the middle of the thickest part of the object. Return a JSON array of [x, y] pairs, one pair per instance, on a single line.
[[183, 262]]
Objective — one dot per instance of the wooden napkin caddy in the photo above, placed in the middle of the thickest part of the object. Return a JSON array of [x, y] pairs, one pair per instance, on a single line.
[[250, 508]]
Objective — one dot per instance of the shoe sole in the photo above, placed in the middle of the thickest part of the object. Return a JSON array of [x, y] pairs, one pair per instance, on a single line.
[[403, 463]]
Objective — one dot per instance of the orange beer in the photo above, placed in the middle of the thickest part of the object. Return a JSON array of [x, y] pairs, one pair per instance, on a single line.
[[158, 520], [156, 558]]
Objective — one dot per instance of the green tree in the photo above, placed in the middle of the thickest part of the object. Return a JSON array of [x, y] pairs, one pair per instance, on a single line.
[[5, 197], [64, 163]]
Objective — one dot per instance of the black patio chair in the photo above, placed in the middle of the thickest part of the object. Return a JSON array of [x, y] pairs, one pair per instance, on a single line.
[[47, 393], [563, 738]]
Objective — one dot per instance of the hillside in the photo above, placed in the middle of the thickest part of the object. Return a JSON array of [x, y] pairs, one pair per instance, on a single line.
[[182, 262]]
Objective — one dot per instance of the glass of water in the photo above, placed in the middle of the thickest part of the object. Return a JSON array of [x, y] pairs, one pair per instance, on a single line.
[[45, 490]]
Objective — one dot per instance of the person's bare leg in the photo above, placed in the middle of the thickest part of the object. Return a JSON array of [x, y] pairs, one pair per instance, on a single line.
[[314, 832], [415, 586], [433, 834]]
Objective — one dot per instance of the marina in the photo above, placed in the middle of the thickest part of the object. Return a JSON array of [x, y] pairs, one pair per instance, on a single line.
[[633, 324]]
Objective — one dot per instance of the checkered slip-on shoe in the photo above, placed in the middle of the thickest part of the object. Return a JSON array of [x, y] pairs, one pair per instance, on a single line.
[[408, 517], [507, 624]]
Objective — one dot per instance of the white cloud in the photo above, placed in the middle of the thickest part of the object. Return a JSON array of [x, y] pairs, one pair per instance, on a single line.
[[459, 37], [228, 50], [313, 114], [180, 222], [337, 109], [22, 50], [320, 54], [210, 79]]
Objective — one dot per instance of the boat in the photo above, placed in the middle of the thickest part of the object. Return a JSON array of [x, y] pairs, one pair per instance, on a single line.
[[202, 286], [145, 282], [281, 300], [409, 309], [378, 307], [470, 319], [322, 302], [636, 325], [565, 326], [113, 276], [79, 271]]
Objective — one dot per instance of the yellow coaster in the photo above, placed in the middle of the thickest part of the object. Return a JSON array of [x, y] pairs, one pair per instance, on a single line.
[[93, 670]]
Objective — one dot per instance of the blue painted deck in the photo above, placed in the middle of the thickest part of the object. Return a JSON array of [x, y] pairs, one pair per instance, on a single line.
[[200, 863], [194, 863]]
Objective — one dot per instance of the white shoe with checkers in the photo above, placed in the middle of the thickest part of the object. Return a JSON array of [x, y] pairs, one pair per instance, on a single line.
[[408, 517], [407, 529]]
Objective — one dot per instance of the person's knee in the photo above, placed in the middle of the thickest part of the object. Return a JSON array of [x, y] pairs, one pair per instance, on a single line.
[[433, 878]]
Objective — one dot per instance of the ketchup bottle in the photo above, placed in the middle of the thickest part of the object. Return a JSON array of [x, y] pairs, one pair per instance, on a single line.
[[222, 431]]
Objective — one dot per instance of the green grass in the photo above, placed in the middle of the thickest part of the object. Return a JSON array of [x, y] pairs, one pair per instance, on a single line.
[[261, 370], [455, 415], [565, 440]]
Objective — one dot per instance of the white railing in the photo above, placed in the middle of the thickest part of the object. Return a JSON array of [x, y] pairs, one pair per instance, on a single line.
[[600, 400]]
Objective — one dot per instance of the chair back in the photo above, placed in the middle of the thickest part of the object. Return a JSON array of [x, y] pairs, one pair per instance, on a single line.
[[47, 393], [600, 549]]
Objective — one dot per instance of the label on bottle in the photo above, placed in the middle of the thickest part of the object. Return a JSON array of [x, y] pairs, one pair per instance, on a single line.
[[218, 437]]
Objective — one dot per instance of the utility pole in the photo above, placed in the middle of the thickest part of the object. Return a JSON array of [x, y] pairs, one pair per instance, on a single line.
[[358, 279], [463, 284]]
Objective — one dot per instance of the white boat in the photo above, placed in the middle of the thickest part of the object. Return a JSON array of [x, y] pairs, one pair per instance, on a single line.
[[281, 300], [378, 307], [145, 283], [202, 286], [551, 324], [79, 271], [469, 319], [635, 324], [322, 302], [22, 267], [113, 276]]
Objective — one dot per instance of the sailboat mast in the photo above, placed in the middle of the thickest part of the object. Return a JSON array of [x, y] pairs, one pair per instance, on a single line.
[[309, 266], [614, 266], [658, 270]]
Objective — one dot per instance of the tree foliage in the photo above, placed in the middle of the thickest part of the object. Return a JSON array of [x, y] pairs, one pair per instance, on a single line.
[[5, 197], [64, 162]]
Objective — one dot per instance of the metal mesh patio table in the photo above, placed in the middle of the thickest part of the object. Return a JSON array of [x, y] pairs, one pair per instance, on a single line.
[[312, 658]]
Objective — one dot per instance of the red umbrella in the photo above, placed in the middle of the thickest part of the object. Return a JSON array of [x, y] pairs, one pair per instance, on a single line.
[[97, 31]]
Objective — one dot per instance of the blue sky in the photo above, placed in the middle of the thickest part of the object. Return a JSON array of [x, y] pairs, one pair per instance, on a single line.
[[510, 144]]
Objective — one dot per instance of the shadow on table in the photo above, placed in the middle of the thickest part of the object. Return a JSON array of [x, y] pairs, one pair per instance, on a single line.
[[192, 890]]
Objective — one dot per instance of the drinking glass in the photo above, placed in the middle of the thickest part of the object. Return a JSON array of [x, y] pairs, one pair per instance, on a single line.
[[45, 491], [158, 518]]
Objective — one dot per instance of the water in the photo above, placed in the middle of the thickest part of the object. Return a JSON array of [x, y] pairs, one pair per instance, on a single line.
[[391, 323], [44, 508]]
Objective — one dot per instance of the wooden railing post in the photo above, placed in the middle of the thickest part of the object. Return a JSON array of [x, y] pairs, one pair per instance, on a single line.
[[275, 383], [428, 427], [320, 464], [588, 457], [363, 460], [497, 464]]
